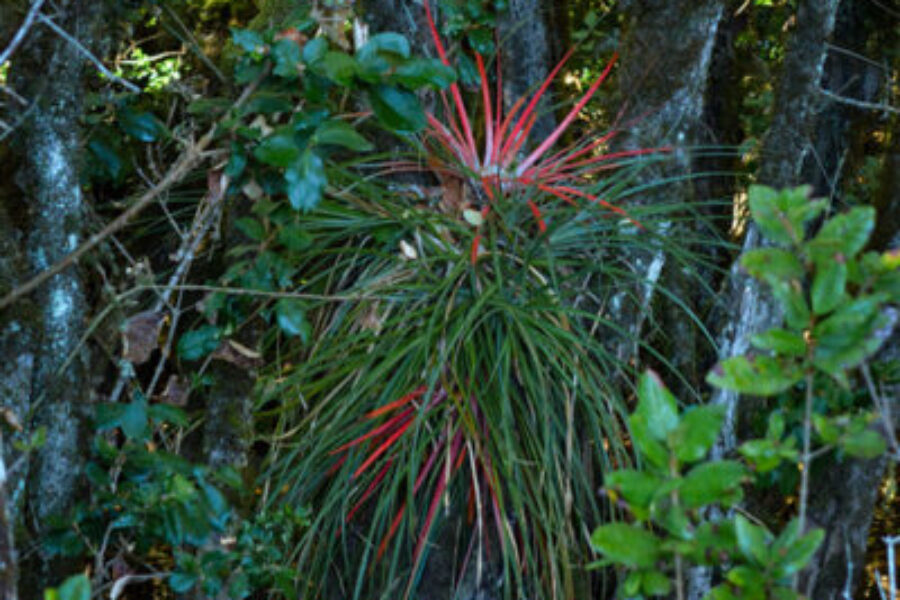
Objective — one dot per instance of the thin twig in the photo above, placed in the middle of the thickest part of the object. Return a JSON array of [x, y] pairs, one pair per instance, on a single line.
[[859, 103], [184, 164], [883, 407], [856, 55], [22, 31], [807, 455], [232, 291], [87, 54]]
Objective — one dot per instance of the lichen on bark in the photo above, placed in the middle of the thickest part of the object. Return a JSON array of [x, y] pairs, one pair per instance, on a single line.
[[48, 71]]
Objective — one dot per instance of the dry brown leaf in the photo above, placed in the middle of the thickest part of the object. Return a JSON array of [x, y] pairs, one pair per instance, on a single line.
[[177, 391], [140, 336], [238, 355]]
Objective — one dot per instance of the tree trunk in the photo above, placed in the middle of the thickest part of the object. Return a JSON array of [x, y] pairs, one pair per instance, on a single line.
[[784, 149], [525, 57], [663, 82], [47, 71]]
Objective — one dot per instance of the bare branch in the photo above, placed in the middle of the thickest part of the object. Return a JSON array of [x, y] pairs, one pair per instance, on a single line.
[[182, 166], [859, 103], [22, 31], [87, 54]]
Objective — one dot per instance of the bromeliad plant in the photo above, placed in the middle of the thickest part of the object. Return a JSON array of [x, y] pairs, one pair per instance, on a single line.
[[434, 393], [500, 166]]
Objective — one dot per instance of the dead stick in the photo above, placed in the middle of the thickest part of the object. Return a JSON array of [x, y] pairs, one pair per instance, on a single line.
[[181, 167]]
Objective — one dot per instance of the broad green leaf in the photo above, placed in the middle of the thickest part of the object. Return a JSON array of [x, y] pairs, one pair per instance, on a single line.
[[763, 376], [655, 583], [790, 558], [294, 237], [340, 133], [252, 228], [828, 285], [656, 406], [107, 154], [646, 443], [632, 585], [772, 264], [77, 587], [711, 482], [389, 42], [625, 544], [843, 236], [166, 413], [339, 67], [198, 343], [237, 162], [864, 444], [827, 430], [306, 181], [753, 540], [751, 582], [291, 316], [847, 337], [247, 39], [142, 126], [314, 51], [637, 488], [423, 72], [134, 420], [764, 455], [775, 428], [279, 149], [397, 109], [697, 432], [267, 103], [286, 53], [779, 214], [181, 583], [781, 341]]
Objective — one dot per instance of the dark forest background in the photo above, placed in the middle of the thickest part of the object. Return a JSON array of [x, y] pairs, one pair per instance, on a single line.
[[274, 323]]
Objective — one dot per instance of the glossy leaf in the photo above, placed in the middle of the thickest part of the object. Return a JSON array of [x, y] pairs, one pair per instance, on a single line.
[[864, 444], [753, 540], [142, 126], [397, 109], [712, 482], [306, 181], [656, 406], [279, 150], [196, 344], [843, 236], [314, 51], [77, 587], [637, 488], [423, 72], [625, 544], [772, 264], [780, 214], [287, 55], [697, 432], [339, 67], [828, 285], [762, 376], [848, 336], [247, 39], [793, 556], [781, 341], [291, 316], [294, 237], [340, 133]]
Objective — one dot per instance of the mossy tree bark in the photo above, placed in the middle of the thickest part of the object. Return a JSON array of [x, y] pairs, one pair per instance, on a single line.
[[663, 82], [48, 71]]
